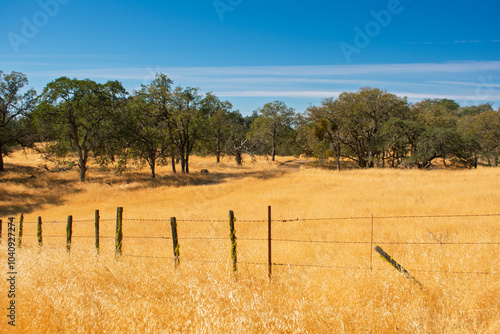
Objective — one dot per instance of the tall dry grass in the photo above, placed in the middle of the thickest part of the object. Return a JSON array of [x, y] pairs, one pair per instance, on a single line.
[[82, 293]]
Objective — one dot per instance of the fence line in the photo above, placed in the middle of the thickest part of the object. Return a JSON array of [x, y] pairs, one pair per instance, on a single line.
[[119, 237], [286, 220]]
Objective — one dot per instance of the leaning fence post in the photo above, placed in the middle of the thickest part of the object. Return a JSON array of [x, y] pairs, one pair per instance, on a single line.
[[21, 219], [232, 235], [269, 253], [39, 232], [119, 231], [397, 266], [97, 231], [69, 233], [175, 241]]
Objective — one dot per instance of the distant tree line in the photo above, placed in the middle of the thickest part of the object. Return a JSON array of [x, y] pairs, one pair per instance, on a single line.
[[163, 124]]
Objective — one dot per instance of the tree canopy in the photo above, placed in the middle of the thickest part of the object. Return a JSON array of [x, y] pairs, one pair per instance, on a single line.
[[161, 122], [14, 106]]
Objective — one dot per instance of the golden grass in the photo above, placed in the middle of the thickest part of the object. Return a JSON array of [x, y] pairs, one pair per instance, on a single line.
[[80, 293]]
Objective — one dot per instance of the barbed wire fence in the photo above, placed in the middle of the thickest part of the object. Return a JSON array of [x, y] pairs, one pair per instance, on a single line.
[[271, 240]]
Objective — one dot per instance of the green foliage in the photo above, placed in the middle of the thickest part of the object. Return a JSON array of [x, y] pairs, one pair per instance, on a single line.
[[353, 123], [400, 138], [274, 127], [159, 123], [372, 127], [437, 113], [79, 114], [483, 128], [15, 109], [143, 125], [221, 124]]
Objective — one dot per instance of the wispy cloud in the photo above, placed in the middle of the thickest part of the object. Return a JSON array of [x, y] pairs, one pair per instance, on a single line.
[[319, 71], [469, 82], [452, 42], [316, 94], [469, 98]]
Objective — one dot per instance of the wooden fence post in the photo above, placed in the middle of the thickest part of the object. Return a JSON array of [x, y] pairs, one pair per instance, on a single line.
[[175, 241], [39, 232], [119, 231], [69, 233], [232, 235], [21, 219], [396, 265], [269, 253], [0, 231], [97, 231]]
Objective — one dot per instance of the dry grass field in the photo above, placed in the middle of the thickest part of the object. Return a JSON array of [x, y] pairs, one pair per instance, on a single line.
[[324, 286]]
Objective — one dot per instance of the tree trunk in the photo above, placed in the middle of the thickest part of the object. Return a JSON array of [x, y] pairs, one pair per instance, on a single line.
[[83, 170], [361, 161], [186, 162], [81, 149], [82, 163], [218, 146], [273, 152], [238, 159], [337, 158], [172, 156], [1, 158], [153, 173], [371, 161], [183, 163], [152, 164]]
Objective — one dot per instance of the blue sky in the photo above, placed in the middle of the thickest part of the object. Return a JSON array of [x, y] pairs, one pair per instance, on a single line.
[[254, 52]]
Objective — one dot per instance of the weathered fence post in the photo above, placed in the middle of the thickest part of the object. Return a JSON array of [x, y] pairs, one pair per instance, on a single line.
[[97, 231], [21, 219], [39, 232], [69, 233], [175, 241], [269, 253], [119, 231], [397, 266], [232, 235], [0, 231]]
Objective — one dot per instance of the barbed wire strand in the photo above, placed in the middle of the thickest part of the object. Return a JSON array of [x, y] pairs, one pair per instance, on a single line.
[[276, 264], [62, 221], [385, 217], [383, 242], [146, 237], [285, 240]]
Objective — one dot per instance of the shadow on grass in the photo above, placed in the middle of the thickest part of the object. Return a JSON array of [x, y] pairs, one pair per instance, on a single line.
[[141, 180], [24, 189]]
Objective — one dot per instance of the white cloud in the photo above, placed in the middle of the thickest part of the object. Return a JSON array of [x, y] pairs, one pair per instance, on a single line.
[[471, 84], [297, 71], [291, 93], [475, 81]]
